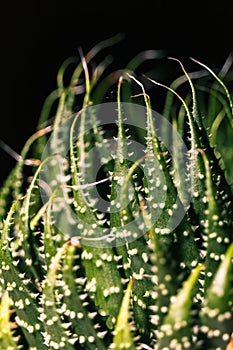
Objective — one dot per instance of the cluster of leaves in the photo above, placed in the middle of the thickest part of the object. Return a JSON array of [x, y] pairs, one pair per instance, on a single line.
[[152, 271]]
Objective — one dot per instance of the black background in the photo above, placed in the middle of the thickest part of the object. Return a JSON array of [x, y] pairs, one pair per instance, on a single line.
[[36, 38]]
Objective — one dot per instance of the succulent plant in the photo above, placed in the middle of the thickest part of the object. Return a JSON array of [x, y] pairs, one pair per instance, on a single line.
[[116, 221]]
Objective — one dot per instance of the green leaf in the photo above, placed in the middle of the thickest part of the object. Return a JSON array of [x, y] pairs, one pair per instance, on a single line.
[[162, 202], [98, 261], [176, 330], [79, 309], [196, 166], [216, 314], [57, 334], [107, 292], [17, 283], [218, 226], [123, 338]]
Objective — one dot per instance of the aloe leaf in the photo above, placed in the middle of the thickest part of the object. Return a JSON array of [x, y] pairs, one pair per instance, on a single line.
[[98, 261], [26, 239], [77, 161], [137, 261], [180, 160], [119, 218], [120, 172], [216, 314], [139, 265], [83, 320], [87, 141], [162, 202], [168, 271], [218, 107], [52, 238], [56, 334], [160, 191], [220, 126], [196, 166], [228, 96], [142, 293], [123, 337], [107, 292], [17, 284], [195, 111], [7, 338], [218, 229], [126, 225], [188, 253], [176, 330]]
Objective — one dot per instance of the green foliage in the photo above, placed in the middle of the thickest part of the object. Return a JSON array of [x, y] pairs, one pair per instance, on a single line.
[[151, 270]]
